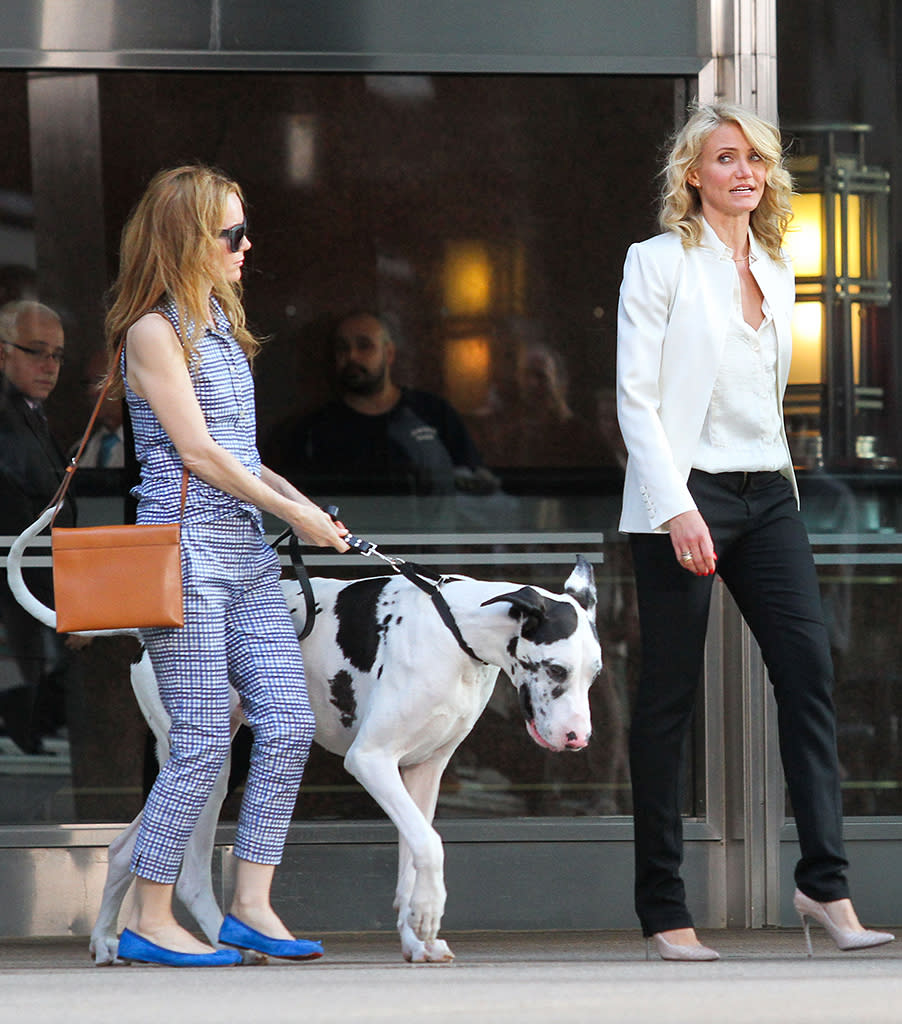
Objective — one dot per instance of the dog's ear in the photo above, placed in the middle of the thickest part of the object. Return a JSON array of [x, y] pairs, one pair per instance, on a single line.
[[580, 585], [527, 603]]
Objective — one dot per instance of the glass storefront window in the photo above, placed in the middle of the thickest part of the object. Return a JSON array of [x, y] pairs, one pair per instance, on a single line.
[[486, 219], [841, 88], [855, 524]]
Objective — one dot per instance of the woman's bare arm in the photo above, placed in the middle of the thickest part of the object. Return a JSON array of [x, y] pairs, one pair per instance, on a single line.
[[157, 373]]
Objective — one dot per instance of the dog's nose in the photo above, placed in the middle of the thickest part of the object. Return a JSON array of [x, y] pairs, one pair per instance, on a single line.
[[575, 742]]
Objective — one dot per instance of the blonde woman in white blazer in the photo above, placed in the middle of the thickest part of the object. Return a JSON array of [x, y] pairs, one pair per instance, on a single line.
[[703, 353]]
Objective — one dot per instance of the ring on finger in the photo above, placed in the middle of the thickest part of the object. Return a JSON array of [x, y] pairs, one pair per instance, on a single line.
[[687, 556]]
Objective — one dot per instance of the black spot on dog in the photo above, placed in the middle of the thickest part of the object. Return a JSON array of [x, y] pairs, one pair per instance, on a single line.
[[559, 621], [358, 629], [556, 672], [542, 621], [526, 707], [512, 646], [341, 686]]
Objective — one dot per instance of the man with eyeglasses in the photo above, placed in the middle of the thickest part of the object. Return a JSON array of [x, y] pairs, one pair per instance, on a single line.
[[31, 466]]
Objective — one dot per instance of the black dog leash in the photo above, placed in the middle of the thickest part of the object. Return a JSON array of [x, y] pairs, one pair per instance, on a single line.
[[430, 582], [427, 581], [300, 570]]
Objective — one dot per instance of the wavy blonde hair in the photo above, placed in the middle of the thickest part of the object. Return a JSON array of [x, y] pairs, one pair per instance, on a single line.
[[681, 208], [171, 247]]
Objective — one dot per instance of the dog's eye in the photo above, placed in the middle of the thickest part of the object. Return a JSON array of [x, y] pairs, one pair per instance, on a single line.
[[557, 673]]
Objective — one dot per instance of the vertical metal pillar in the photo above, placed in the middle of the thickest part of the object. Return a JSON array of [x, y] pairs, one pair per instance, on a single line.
[[743, 69], [743, 66], [67, 183]]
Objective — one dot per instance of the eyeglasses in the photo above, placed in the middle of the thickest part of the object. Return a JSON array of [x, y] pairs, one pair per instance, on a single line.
[[38, 355], [235, 235]]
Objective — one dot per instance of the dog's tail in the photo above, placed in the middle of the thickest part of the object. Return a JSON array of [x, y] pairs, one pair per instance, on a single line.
[[20, 589]]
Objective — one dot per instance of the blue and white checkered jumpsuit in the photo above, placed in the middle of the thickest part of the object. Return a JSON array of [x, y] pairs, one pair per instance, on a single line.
[[237, 629]]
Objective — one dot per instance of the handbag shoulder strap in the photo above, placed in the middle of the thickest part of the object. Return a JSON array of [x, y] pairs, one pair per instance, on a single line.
[[56, 501]]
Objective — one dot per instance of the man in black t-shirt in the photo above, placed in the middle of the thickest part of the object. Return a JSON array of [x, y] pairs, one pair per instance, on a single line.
[[378, 437]]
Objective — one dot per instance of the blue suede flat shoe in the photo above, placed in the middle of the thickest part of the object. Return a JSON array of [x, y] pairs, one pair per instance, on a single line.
[[134, 949], [236, 933]]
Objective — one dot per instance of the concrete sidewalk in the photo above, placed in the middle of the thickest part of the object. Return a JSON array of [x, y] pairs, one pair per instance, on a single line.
[[498, 977]]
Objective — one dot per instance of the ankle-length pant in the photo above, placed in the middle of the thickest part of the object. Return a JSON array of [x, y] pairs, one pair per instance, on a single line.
[[237, 630], [764, 558]]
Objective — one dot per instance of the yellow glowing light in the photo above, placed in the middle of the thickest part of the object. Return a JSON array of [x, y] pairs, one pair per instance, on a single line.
[[805, 236], [856, 311], [853, 238], [467, 279], [468, 364], [807, 339]]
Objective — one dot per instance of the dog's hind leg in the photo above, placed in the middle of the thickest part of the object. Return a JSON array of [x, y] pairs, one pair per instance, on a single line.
[[105, 934], [194, 886], [422, 783]]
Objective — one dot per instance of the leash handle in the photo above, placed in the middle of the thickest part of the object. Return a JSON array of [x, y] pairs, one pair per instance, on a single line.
[[358, 544], [365, 547]]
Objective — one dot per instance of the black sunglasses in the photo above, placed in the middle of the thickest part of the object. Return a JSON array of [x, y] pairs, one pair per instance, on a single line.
[[235, 235]]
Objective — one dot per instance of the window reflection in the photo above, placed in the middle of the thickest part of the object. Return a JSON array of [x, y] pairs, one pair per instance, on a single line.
[[492, 243], [486, 218], [855, 526]]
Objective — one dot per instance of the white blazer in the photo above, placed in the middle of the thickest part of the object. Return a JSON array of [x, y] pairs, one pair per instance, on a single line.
[[674, 309]]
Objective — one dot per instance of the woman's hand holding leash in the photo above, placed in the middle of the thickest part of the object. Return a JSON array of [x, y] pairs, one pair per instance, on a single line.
[[317, 527]]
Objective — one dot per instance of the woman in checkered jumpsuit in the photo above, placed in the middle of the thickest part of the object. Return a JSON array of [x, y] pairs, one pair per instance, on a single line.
[[186, 377]]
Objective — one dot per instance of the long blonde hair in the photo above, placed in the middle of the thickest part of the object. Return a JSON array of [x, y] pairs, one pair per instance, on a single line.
[[681, 208], [171, 248]]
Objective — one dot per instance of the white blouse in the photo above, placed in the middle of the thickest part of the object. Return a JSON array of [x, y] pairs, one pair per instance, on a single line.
[[742, 428]]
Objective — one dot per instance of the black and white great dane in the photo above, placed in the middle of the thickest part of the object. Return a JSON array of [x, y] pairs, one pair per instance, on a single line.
[[394, 693]]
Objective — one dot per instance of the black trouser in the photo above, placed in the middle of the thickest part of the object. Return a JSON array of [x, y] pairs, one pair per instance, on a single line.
[[765, 560]]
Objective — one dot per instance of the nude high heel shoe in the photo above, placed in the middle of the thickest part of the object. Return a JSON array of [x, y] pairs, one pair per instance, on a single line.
[[672, 951], [844, 938]]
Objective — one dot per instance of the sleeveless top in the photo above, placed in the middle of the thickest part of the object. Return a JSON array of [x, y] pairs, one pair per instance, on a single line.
[[224, 388]]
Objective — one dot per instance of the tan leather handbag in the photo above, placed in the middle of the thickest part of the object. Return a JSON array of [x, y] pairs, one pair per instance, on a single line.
[[115, 577]]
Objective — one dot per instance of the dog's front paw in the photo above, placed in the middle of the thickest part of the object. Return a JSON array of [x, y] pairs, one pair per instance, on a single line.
[[103, 949], [438, 952], [416, 951], [427, 905]]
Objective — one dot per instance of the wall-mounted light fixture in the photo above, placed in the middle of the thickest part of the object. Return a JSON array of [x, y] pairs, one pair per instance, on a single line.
[[839, 239], [483, 283], [467, 283], [468, 368]]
